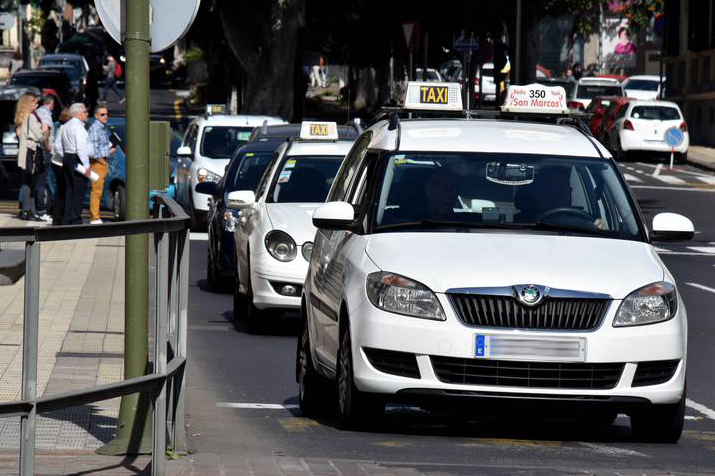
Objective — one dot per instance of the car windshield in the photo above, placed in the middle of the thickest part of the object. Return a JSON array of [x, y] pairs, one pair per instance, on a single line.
[[655, 113], [305, 179], [590, 91], [249, 171], [219, 142], [40, 81], [642, 84], [580, 195], [77, 65]]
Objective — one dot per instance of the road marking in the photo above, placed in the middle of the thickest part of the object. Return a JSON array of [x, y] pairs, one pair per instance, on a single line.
[[199, 236], [256, 406], [656, 172], [684, 189], [297, 425], [515, 442], [699, 407], [704, 288], [707, 180], [695, 418], [703, 249], [611, 450], [631, 178], [670, 179], [630, 168]]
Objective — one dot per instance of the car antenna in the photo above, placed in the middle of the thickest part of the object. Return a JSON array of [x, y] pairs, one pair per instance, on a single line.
[[394, 121]]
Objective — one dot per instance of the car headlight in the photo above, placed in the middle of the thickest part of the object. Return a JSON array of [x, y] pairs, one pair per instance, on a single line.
[[307, 250], [203, 175], [394, 293], [653, 303], [280, 245], [230, 219]]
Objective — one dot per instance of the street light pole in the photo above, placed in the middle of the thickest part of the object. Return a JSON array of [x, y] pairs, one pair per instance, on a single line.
[[135, 418]]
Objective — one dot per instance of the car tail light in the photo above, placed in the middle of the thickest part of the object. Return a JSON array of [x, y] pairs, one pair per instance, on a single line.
[[575, 105], [683, 126], [628, 125]]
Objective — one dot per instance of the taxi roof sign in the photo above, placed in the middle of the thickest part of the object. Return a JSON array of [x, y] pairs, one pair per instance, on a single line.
[[311, 130], [536, 99], [433, 96], [215, 109]]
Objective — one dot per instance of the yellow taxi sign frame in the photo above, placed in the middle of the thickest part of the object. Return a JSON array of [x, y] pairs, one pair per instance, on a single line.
[[314, 130], [215, 109], [535, 99], [435, 96]]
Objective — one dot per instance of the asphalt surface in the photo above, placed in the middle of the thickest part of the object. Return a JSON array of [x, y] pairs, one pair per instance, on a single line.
[[230, 371]]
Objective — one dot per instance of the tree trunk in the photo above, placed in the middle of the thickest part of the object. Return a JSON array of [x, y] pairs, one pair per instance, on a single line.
[[527, 69], [262, 36]]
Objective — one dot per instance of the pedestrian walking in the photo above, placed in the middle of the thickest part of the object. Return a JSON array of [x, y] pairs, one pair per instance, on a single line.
[[33, 137], [102, 146], [110, 79], [58, 204], [73, 144], [42, 195]]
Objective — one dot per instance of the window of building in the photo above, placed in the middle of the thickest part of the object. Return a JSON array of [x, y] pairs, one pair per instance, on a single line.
[[706, 68], [681, 74], [712, 115], [694, 72]]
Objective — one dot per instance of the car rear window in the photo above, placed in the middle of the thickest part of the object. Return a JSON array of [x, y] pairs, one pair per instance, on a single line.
[[642, 85], [590, 91], [655, 113]]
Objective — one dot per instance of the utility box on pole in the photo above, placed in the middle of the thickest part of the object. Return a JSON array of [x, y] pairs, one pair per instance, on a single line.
[[159, 166]]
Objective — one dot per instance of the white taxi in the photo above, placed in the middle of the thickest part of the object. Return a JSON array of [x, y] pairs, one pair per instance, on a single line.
[[207, 147], [274, 236], [467, 260]]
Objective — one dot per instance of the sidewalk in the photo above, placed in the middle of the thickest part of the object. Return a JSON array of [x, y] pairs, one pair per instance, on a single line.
[[702, 156], [81, 341]]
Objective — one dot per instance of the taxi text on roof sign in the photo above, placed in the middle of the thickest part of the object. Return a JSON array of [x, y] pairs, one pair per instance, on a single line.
[[535, 98], [319, 130], [215, 109], [437, 96]]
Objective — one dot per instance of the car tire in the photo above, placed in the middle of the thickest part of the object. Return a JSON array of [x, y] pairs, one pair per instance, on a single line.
[[659, 423], [314, 390], [356, 409], [254, 317], [211, 273], [119, 202], [619, 152]]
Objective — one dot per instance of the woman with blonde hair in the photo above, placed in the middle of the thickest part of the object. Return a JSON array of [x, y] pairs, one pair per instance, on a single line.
[[33, 137]]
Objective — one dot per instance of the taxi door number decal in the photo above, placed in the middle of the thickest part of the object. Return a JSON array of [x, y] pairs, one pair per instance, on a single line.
[[433, 94], [319, 129]]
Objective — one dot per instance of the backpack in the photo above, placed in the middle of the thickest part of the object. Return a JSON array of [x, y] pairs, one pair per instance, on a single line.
[[117, 70]]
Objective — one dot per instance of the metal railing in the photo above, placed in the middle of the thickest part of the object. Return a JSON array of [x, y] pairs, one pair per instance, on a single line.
[[166, 383]]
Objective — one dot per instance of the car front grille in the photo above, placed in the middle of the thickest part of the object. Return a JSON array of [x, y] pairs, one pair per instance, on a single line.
[[506, 373], [391, 362], [507, 312], [654, 372]]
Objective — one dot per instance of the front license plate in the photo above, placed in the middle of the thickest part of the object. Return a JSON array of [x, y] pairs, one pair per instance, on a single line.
[[530, 348]]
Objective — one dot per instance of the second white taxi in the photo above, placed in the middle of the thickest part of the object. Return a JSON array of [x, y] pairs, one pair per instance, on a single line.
[[274, 236]]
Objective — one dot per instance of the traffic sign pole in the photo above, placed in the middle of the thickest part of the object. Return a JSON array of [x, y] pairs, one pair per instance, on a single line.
[[134, 424], [672, 152]]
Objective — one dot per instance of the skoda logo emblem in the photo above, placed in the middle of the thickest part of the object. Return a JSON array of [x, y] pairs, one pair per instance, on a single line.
[[530, 295]]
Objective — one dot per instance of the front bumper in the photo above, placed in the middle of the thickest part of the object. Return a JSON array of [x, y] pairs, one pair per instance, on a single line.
[[377, 329], [632, 141], [267, 272]]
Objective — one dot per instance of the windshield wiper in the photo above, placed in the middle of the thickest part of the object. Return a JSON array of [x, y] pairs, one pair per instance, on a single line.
[[569, 229], [453, 224]]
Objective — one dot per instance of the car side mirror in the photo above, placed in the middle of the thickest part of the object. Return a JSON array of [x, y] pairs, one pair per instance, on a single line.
[[209, 188], [672, 227], [184, 150], [334, 216], [241, 199]]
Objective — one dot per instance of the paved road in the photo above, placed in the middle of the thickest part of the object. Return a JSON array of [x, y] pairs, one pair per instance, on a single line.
[[231, 371]]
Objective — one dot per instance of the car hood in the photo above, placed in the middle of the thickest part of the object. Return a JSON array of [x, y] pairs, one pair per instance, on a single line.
[[443, 261], [296, 219], [641, 94]]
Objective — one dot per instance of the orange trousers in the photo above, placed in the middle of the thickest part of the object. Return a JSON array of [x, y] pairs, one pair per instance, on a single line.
[[95, 196]]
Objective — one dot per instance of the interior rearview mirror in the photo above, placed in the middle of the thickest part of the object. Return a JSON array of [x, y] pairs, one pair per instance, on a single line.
[[672, 227]]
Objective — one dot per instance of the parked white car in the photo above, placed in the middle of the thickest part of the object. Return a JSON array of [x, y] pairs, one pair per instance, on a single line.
[[274, 236], [469, 262], [641, 127], [644, 86], [208, 145]]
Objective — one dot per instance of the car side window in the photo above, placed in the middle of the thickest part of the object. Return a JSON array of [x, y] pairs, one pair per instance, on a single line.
[[622, 111], [265, 179], [349, 168], [360, 185]]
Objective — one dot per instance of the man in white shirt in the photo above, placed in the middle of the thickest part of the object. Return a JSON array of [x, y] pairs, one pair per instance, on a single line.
[[72, 143]]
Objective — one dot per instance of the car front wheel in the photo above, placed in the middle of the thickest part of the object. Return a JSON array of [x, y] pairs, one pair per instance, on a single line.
[[356, 409], [659, 423], [313, 389]]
